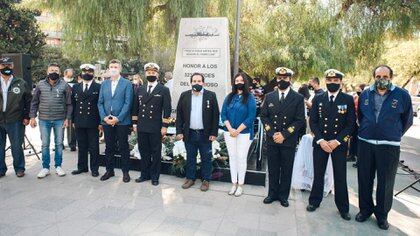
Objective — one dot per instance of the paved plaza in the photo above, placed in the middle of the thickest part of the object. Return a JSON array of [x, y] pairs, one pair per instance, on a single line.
[[83, 205]]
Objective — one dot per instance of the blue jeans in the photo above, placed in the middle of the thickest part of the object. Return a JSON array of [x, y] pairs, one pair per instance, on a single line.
[[45, 127], [197, 141], [15, 131]]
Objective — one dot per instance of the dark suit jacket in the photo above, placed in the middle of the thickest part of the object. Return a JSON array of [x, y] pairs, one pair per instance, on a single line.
[[287, 117], [210, 114], [152, 111], [332, 122], [85, 106]]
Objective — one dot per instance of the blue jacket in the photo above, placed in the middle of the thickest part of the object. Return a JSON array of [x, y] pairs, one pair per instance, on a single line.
[[394, 119], [121, 102], [238, 113]]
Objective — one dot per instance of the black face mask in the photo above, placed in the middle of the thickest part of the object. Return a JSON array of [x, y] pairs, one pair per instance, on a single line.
[[310, 87], [282, 84], [240, 86], [151, 78], [197, 87], [87, 77], [333, 87], [53, 76], [6, 71]]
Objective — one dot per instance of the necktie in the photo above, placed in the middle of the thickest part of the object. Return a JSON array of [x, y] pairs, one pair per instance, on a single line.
[[331, 100], [86, 88], [282, 98], [150, 89]]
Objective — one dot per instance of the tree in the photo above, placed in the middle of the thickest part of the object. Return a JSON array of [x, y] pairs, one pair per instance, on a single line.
[[19, 32]]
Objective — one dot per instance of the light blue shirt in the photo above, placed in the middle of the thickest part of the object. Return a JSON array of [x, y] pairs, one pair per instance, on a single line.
[[196, 116], [5, 88]]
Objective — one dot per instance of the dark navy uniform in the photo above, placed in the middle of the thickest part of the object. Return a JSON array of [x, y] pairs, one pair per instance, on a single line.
[[86, 120], [331, 118], [153, 112], [287, 117]]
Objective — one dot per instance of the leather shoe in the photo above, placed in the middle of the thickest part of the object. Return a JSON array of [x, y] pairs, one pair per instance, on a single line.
[[361, 218], [311, 208], [76, 172], [268, 200], [2, 174], [383, 224], [155, 182], [345, 215], [188, 183], [95, 173], [126, 178], [20, 173], [72, 149], [107, 175], [205, 186], [284, 203], [141, 179]]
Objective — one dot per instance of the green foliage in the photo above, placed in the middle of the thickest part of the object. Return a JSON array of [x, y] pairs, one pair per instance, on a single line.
[[19, 32]]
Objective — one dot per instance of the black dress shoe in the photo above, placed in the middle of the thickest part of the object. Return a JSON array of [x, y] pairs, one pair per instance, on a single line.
[[383, 224], [72, 149], [345, 215], [2, 174], [268, 200], [361, 218], [155, 182], [77, 172], [95, 173], [107, 175], [126, 178], [141, 179], [284, 203], [311, 208]]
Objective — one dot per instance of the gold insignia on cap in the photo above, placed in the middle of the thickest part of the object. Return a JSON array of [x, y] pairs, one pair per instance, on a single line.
[[267, 127], [282, 71], [291, 129], [331, 74]]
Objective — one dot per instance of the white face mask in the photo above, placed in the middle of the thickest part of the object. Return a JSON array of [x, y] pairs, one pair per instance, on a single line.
[[114, 72]]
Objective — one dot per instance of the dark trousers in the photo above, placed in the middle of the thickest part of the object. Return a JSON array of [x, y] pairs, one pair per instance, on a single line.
[[280, 169], [150, 147], [196, 142], [71, 135], [382, 159], [338, 158], [353, 143], [112, 135], [15, 131], [88, 142]]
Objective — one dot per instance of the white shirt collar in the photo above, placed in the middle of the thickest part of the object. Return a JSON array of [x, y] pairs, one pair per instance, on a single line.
[[153, 84], [285, 92], [333, 94], [87, 82], [10, 79], [116, 81]]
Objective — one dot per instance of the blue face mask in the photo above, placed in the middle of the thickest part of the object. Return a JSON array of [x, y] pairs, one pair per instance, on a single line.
[[383, 84]]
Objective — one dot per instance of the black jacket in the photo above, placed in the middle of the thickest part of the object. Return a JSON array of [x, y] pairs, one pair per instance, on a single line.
[[85, 106], [210, 114], [153, 111], [332, 122], [18, 102], [287, 118]]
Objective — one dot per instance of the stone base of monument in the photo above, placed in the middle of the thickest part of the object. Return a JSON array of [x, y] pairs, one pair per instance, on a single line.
[[252, 177]]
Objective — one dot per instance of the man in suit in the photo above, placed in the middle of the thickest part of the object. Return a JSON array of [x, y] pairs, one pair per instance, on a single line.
[[332, 120], [115, 101], [197, 123], [86, 121], [283, 115], [151, 110]]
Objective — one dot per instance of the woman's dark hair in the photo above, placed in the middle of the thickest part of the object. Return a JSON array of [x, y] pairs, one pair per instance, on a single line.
[[304, 91], [245, 92]]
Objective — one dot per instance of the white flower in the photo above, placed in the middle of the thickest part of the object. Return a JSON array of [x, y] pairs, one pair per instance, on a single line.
[[179, 149]]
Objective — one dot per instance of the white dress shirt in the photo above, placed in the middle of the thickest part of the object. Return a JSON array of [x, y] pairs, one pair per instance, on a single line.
[[5, 88], [153, 84], [285, 93], [114, 84], [88, 83], [196, 116]]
